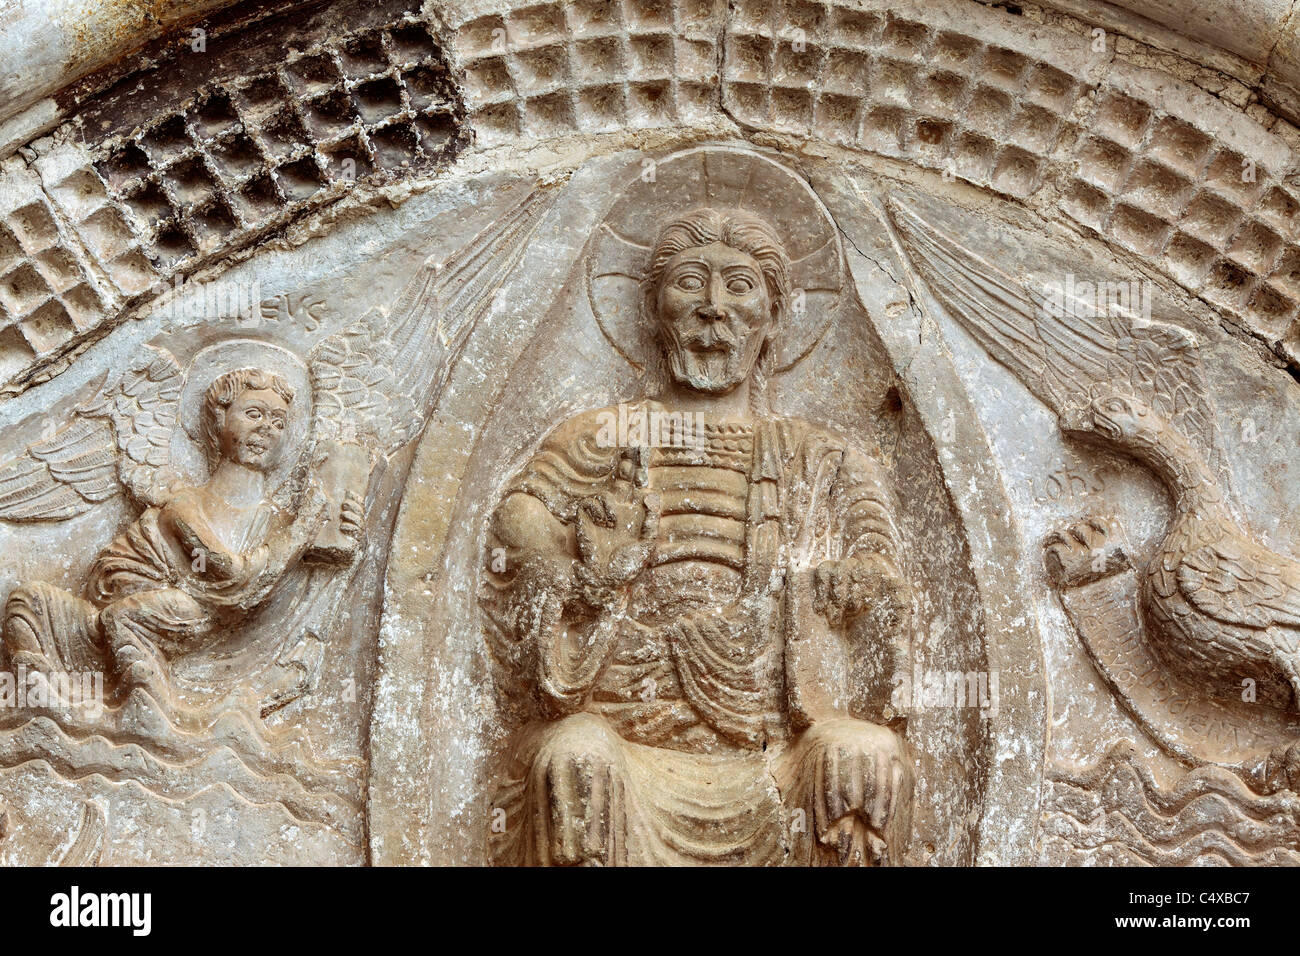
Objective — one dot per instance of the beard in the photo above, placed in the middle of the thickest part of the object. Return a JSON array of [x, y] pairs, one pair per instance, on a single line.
[[715, 367], [713, 371]]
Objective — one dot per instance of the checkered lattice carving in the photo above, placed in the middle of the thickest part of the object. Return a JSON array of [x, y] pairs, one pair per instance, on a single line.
[[897, 86], [258, 150], [48, 291], [1220, 222], [976, 96], [589, 66], [1224, 224]]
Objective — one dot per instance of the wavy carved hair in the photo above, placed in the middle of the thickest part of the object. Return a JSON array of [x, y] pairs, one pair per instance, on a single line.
[[733, 227], [740, 230], [223, 391]]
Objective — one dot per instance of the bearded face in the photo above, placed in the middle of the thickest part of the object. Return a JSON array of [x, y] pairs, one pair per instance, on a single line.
[[714, 314]]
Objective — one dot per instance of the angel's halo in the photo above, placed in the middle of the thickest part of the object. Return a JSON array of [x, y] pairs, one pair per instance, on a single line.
[[716, 177], [216, 360]]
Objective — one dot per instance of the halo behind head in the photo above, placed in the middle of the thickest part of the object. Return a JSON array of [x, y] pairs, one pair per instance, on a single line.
[[719, 179], [224, 361]]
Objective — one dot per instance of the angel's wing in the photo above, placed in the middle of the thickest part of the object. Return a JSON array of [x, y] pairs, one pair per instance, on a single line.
[[1239, 581], [119, 439], [379, 378], [1063, 354]]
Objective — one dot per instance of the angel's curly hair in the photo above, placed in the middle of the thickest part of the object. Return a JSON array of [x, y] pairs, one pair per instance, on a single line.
[[223, 391]]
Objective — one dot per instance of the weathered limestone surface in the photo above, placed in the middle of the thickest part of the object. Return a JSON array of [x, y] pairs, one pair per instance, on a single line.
[[625, 432]]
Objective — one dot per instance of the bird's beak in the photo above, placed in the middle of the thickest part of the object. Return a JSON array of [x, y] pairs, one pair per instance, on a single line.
[[1075, 421]]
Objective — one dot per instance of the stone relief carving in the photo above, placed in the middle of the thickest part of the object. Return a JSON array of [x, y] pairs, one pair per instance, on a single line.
[[1198, 640], [642, 435], [676, 594], [252, 473], [201, 556]]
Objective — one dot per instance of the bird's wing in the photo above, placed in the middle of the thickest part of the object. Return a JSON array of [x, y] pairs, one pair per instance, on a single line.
[[1056, 357], [118, 439], [1063, 351], [380, 377], [1238, 581]]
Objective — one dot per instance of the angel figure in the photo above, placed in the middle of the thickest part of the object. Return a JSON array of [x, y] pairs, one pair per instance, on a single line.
[[1219, 607], [203, 555], [195, 562]]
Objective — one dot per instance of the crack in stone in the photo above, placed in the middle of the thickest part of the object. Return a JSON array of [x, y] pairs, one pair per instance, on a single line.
[[1281, 35]]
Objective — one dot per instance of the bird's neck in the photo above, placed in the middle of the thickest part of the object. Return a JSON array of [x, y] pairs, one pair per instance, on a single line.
[[1184, 472]]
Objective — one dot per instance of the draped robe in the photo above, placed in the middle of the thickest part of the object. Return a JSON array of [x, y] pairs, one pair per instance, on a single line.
[[142, 593], [664, 727]]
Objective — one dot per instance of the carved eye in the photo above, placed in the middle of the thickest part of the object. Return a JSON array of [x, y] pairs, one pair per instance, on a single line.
[[739, 285], [279, 424], [1115, 405], [690, 282], [254, 413]]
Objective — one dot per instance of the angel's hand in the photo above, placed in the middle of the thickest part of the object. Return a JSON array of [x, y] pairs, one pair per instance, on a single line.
[[616, 541]]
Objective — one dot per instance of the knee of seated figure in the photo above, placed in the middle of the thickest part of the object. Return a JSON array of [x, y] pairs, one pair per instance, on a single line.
[[19, 633], [22, 635]]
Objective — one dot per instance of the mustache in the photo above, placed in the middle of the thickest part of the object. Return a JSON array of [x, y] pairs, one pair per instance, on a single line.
[[712, 336]]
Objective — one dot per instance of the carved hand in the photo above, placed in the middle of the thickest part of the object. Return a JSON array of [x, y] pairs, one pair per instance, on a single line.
[[1086, 551], [616, 541], [849, 587], [352, 516]]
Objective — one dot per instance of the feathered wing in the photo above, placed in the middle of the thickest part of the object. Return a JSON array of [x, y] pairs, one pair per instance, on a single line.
[[118, 440], [996, 309], [1238, 581], [1064, 354], [380, 377], [1162, 364]]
